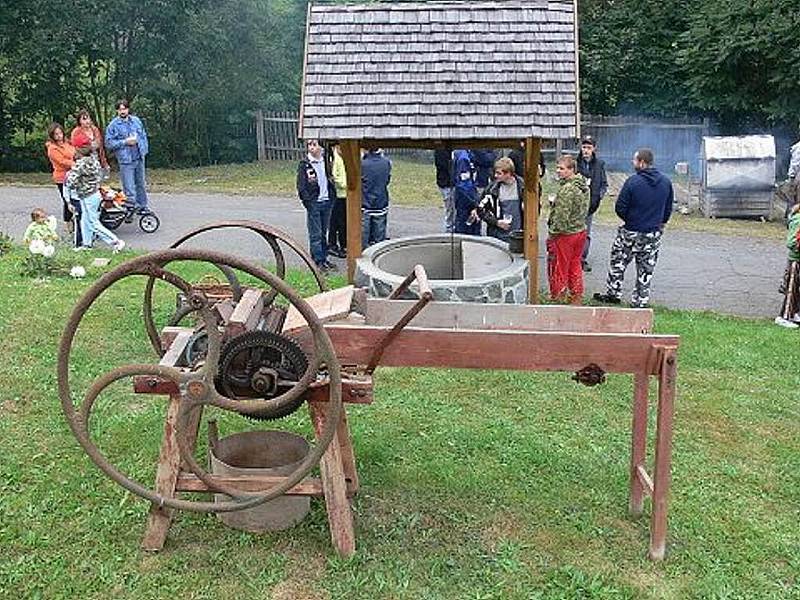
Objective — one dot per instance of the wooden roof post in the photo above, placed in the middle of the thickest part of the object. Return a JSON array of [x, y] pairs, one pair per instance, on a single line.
[[533, 149], [351, 153]]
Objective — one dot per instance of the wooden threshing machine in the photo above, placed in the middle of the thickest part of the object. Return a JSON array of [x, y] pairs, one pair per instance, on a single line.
[[251, 354]]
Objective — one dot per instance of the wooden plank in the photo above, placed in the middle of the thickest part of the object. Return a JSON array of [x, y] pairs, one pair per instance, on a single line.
[[188, 482], [663, 453], [539, 317], [159, 517], [354, 391], [247, 313], [170, 332], [224, 309], [644, 480], [351, 154], [435, 143], [513, 350], [328, 306], [340, 515], [533, 148], [174, 353], [638, 442]]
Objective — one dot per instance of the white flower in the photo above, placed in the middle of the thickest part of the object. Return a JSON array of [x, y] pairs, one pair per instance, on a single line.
[[36, 247], [48, 251], [77, 272]]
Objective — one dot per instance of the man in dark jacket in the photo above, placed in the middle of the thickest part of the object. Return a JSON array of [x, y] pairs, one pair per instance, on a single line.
[[644, 204], [594, 170], [443, 159], [317, 192], [376, 172]]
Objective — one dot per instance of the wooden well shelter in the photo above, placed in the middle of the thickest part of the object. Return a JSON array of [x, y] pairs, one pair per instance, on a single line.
[[446, 73]]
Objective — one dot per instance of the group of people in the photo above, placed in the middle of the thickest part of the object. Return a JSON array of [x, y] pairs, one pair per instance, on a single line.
[[80, 165], [478, 187], [322, 189], [644, 204]]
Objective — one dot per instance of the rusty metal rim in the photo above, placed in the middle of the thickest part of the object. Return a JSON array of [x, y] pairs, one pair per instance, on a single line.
[[151, 265]]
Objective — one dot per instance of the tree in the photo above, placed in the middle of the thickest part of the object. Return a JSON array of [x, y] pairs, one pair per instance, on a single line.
[[741, 61]]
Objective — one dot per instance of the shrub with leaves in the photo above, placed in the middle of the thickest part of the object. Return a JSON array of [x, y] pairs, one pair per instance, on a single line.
[[6, 243], [43, 261]]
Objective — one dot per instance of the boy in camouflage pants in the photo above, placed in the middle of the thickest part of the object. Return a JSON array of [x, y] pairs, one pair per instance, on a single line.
[[645, 205]]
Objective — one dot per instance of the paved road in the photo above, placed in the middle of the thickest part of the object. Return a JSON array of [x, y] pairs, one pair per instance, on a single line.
[[728, 274]]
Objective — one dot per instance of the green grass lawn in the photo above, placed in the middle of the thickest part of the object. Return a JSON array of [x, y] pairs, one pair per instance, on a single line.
[[413, 184], [474, 484]]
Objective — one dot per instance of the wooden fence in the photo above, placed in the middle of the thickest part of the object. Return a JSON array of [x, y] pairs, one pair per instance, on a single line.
[[672, 140]]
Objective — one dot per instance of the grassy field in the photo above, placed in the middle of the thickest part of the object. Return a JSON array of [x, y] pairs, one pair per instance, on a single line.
[[413, 184], [474, 484]]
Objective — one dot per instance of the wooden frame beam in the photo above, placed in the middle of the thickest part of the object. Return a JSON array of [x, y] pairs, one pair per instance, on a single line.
[[433, 144], [502, 349], [351, 154], [533, 150], [519, 317]]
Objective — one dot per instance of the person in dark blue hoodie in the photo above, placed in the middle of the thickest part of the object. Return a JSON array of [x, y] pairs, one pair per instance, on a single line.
[[376, 172], [644, 204], [465, 195], [484, 167]]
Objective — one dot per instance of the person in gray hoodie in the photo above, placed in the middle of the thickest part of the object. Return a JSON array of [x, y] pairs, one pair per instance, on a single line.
[[644, 204]]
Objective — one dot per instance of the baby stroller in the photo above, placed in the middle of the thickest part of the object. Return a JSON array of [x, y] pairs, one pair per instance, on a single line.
[[115, 210]]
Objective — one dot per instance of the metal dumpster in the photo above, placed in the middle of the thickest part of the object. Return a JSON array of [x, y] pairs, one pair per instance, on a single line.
[[738, 176]]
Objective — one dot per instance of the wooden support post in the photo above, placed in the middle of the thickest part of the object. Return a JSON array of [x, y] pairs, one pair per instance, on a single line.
[[169, 463], [260, 144], [638, 441], [334, 485], [663, 459], [533, 148], [351, 154]]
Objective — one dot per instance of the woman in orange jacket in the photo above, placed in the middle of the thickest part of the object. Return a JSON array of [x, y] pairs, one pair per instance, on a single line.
[[86, 133], [62, 157]]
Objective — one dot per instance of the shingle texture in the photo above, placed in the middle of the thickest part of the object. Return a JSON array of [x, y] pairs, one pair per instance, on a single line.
[[441, 70]]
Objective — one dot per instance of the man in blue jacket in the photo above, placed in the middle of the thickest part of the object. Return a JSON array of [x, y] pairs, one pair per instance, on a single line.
[[127, 139], [376, 173], [644, 204]]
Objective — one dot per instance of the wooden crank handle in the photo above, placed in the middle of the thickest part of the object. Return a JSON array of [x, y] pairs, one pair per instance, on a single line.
[[422, 281]]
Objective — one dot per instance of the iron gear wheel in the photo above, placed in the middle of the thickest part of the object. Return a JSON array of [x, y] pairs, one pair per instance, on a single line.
[[261, 365]]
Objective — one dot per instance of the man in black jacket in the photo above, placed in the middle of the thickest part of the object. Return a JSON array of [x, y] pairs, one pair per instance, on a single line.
[[443, 159], [594, 170], [317, 192]]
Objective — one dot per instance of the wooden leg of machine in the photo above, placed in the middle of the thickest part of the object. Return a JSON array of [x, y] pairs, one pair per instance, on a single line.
[[638, 442], [334, 486], [663, 458], [169, 463], [348, 456]]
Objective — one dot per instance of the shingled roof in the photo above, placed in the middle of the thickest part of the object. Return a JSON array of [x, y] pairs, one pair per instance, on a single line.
[[441, 70]]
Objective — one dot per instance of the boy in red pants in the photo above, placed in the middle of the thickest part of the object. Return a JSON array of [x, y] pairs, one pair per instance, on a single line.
[[566, 226]]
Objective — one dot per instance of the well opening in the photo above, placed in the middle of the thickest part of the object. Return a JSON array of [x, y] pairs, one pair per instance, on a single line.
[[460, 268]]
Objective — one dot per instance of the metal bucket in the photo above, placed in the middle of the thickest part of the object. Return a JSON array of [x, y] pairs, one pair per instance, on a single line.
[[516, 241], [270, 453]]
